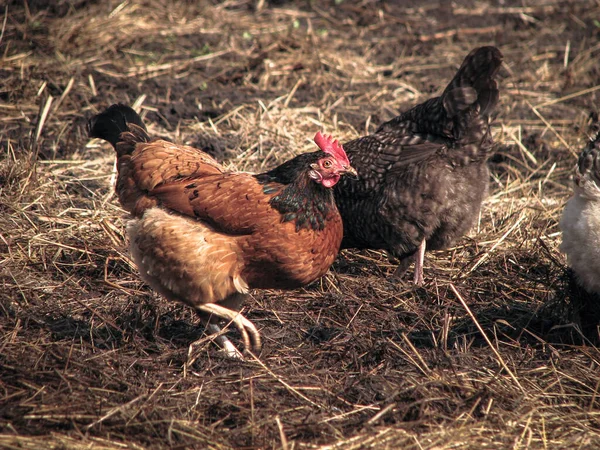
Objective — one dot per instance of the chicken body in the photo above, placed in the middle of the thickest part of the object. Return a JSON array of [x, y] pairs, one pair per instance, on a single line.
[[580, 222], [204, 236], [423, 175]]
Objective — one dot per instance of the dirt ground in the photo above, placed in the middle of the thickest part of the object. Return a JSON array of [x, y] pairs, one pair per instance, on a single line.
[[497, 350]]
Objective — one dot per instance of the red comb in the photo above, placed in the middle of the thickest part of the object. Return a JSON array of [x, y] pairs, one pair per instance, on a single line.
[[334, 148]]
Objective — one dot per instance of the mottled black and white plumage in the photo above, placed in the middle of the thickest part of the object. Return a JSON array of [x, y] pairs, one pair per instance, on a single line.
[[580, 222], [424, 174]]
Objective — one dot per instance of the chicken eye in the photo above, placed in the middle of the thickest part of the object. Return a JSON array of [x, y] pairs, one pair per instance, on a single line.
[[327, 164]]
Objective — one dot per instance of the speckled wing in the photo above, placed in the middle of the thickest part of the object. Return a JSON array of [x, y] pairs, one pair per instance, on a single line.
[[145, 165], [232, 203], [375, 155]]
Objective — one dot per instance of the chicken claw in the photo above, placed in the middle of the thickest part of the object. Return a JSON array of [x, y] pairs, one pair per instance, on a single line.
[[245, 327]]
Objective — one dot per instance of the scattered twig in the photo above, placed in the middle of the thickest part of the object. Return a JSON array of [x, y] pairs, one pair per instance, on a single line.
[[487, 340], [460, 32]]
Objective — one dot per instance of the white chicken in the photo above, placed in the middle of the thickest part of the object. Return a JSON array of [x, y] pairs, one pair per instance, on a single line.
[[580, 222]]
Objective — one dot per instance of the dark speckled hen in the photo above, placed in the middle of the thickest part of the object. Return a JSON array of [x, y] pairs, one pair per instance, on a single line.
[[424, 174], [204, 236]]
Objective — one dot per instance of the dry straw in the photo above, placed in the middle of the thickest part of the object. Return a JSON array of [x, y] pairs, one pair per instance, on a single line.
[[488, 354]]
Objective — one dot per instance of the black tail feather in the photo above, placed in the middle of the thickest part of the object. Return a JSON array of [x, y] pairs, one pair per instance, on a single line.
[[109, 124], [478, 71]]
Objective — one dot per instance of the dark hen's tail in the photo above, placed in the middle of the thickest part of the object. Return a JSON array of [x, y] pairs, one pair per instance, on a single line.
[[121, 126], [474, 83], [463, 109]]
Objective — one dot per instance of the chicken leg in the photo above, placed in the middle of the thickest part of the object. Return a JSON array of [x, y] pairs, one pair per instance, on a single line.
[[223, 341], [418, 257], [245, 327]]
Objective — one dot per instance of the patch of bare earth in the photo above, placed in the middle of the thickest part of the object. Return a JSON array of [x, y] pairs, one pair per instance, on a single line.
[[498, 350]]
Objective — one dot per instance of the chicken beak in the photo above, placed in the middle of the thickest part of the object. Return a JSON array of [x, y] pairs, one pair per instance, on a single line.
[[349, 170]]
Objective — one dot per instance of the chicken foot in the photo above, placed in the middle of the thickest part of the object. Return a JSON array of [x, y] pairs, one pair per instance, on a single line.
[[223, 341], [402, 268], [245, 327], [418, 257]]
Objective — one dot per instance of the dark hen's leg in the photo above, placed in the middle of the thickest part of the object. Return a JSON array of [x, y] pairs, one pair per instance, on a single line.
[[419, 257], [402, 268]]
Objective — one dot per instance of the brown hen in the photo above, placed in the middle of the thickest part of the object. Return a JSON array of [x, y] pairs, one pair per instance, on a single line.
[[204, 236]]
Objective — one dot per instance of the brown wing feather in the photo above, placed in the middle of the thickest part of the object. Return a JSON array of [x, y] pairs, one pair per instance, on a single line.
[[161, 162], [156, 163], [233, 203]]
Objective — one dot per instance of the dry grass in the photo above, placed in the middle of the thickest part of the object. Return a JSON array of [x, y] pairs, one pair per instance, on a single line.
[[485, 355]]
